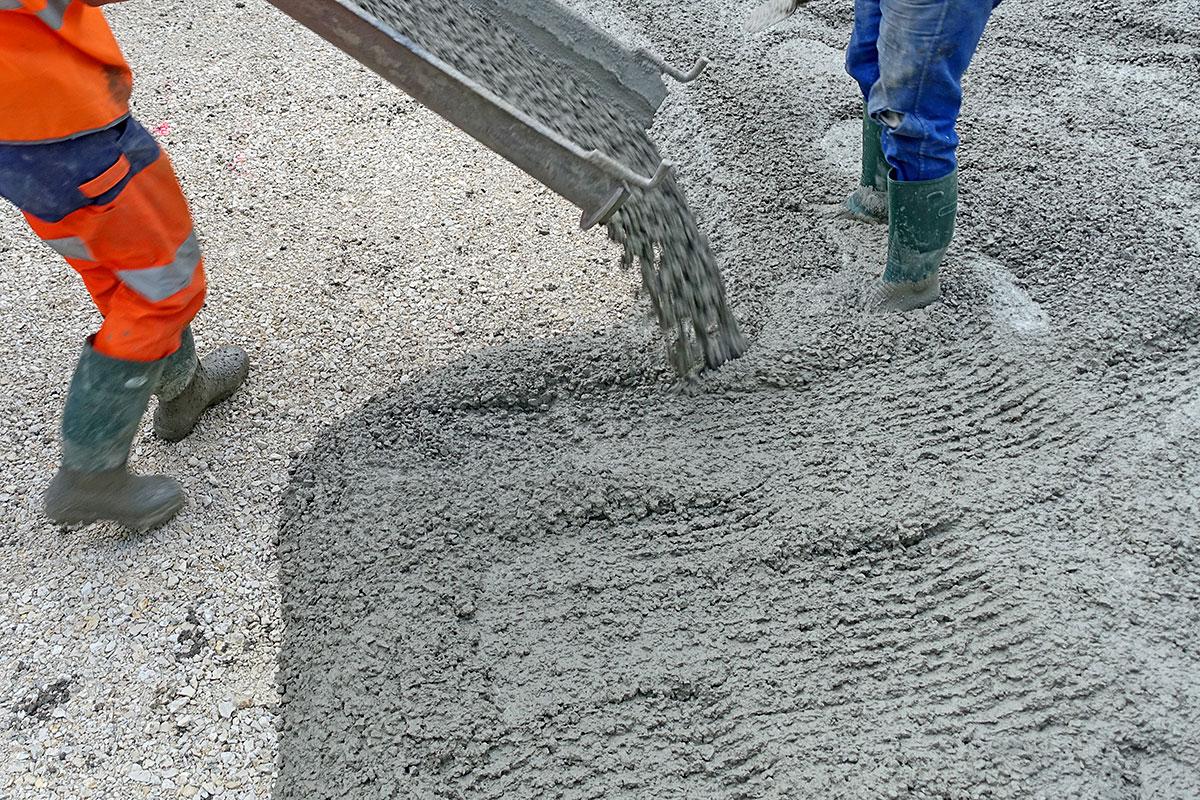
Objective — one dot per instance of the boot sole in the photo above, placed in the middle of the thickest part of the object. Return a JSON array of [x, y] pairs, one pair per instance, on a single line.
[[899, 298], [848, 213], [853, 208], [139, 524]]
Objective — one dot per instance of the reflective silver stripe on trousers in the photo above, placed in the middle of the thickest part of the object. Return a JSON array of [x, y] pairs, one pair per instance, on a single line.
[[54, 12], [9, 5], [158, 283], [71, 247]]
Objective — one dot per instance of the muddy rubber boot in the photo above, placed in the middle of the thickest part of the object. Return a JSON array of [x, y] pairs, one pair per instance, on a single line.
[[105, 404], [189, 386], [921, 226], [869, 202]]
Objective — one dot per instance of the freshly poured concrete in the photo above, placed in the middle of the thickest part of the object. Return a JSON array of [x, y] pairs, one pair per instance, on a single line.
[[950, 554]]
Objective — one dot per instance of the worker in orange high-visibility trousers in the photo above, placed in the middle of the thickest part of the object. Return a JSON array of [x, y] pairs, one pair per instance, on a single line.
[[97, 188]]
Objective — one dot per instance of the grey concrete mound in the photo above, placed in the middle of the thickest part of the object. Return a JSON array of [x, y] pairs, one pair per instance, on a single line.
[[949, 554]]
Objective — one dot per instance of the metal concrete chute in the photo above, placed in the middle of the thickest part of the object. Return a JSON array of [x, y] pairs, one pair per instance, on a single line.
[[415, 45], [632, 77]]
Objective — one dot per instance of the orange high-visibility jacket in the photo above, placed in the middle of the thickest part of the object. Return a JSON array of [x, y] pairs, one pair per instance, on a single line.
[[61, 71]]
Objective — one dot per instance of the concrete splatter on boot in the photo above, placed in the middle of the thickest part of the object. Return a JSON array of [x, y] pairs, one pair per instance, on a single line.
[[869, 202], [105, 403], [921, 220], [190, 386]]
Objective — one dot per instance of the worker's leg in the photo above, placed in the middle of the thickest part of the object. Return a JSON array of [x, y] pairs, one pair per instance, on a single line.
[[141, 263], [190, 386], [110, 204], [869, 202], [924, 47], [140, 252], [862, 54]]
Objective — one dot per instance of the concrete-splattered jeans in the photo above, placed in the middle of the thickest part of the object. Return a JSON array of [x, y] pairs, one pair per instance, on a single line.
[[909, 57]]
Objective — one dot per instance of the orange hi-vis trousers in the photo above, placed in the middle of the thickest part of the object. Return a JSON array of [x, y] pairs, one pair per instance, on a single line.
[[110, 204]]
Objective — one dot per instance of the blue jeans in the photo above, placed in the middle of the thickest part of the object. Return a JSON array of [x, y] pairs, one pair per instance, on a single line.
[[909, 57]]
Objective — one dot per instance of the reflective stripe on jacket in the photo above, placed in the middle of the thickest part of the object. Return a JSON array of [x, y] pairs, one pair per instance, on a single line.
[[61, 71]]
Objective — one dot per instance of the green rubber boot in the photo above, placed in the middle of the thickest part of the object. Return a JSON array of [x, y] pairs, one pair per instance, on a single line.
[[921, 226], [105, 404], [189, 386], [869, 202]]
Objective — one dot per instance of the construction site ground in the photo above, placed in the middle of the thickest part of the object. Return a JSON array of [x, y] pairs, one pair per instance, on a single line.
[[461, 535]]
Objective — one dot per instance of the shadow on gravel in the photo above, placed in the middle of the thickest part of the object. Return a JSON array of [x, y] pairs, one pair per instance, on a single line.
[[543, 572]]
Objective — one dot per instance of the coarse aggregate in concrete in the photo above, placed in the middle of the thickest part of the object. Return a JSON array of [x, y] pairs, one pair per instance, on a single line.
[[946, 555]]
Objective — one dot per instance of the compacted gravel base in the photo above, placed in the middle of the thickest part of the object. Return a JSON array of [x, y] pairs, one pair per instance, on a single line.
[[353, 242]]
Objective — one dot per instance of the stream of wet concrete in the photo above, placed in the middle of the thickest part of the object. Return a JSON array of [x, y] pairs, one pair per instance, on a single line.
[[656, 227]]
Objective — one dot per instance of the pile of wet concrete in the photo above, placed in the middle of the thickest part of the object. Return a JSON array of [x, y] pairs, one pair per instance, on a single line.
[[951, 554]]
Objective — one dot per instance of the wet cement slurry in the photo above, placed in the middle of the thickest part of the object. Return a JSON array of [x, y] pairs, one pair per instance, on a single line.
[[950, 554]]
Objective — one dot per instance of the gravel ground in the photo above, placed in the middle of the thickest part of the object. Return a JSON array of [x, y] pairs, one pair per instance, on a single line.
[[354, 241], [946, 555]]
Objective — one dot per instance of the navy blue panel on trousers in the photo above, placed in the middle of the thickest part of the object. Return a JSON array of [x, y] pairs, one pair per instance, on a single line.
[[45, 179]]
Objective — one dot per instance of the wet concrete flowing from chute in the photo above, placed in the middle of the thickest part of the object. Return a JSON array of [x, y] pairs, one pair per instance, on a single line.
[[657, 228]]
